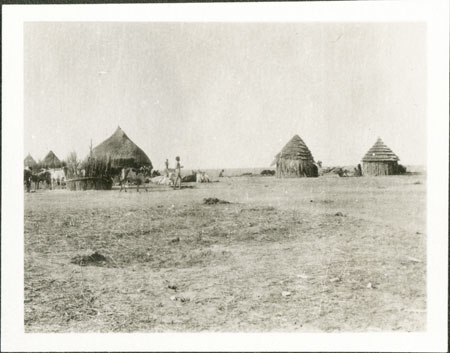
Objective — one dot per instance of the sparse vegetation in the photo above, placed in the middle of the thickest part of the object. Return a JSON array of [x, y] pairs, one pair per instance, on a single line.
[[269, 261], [73, 165]]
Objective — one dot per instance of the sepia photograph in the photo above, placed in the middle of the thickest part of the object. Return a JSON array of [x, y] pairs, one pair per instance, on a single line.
[[225, 177]]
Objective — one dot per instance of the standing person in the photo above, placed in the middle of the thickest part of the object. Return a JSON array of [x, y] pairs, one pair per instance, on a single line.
[[167, 167], [177, 173]]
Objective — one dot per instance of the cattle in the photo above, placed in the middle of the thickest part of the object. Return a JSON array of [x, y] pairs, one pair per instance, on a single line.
[[163, 180], [81, 172], [336, 172], [202, 177], [268, 172], [41, 176], [133, 176], [57, 177], [192, 178]]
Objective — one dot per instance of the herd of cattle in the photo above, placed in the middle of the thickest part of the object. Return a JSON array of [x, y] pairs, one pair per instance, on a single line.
[[57, 178], [51, 177], [138, 177]]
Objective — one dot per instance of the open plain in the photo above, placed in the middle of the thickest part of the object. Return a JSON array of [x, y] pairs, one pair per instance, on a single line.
[[309, 254]]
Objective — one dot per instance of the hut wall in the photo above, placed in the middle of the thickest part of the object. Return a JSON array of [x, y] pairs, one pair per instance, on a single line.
[[296, 168], [82, 184], [379, 168]]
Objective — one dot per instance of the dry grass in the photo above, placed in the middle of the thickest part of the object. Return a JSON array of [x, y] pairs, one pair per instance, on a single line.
[[176, 264]]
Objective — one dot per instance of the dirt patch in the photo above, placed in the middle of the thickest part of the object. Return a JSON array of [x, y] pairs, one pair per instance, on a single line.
[[214, 201], [95, 259], [233, 262]]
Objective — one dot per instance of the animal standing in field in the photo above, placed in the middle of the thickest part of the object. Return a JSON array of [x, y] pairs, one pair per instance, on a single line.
[[81, 172], [57, 177], [41, 176], [132, 176], [147, 172]]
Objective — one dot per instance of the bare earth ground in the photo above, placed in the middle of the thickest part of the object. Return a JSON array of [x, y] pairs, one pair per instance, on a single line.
[[277, 259]]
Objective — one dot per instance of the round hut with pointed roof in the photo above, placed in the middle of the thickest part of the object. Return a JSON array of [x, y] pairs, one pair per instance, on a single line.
[[105, 162], [29, 161], [380, 160], [295, 160], [121, 152], [51, 161]]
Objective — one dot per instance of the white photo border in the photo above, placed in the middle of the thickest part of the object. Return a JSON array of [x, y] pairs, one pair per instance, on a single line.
[[433, 13]]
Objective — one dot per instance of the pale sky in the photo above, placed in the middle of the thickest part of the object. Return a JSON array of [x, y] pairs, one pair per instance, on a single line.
[[223, 95]]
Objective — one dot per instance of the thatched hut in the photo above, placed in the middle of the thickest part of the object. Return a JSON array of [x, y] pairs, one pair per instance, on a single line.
[[29, 161], [105, 162], [295, 160], [121, 152], [380, 160], [51, 161]]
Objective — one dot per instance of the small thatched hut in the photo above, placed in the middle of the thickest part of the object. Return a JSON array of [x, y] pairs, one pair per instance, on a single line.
[[295, 160], [380, 160], [51, 161], [121, 152], [29, 161]]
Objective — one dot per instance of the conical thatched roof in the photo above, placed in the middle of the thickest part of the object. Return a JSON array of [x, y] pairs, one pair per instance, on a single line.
[[380, 153], [295, 149], [29, 161], [121, 151], [51, 161]]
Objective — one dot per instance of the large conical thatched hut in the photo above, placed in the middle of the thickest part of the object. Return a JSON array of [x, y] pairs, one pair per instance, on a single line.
[[295, 160], [29, 161], [380, 160], [121, 152], [51, 161]]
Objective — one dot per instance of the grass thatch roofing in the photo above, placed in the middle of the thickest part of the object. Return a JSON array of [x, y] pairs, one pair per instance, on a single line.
[[295, 149], [29, 161], [51, 161], [121, 151], [380, 153]]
